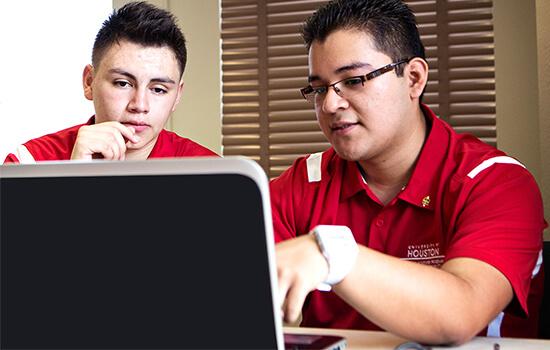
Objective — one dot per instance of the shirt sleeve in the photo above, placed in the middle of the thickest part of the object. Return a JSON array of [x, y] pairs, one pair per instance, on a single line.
[[11, 158], [282, 206], [501, 223], [287, 193]]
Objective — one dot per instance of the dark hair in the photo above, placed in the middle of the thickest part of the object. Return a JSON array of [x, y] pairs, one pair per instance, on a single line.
[[144, 24], [390, 23]]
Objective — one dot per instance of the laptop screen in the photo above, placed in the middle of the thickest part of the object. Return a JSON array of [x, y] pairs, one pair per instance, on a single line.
[[134, 262]]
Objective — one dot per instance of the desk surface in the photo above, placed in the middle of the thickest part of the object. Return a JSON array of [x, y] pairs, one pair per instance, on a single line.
[[386, 341]]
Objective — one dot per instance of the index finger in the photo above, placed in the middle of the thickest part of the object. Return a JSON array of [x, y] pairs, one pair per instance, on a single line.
[[128, 132]]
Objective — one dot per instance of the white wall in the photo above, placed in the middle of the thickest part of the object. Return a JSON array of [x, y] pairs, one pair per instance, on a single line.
[[45, 46]]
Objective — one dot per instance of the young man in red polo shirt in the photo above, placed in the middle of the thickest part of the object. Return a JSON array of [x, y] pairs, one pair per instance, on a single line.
[[428, 234], [135, 82]]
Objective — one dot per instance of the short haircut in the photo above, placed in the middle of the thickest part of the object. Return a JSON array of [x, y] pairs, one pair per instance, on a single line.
[[144, 24], [390, 23]]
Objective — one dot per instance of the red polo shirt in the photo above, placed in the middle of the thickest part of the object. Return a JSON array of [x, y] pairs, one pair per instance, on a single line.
[[464, 199], [59, 146]]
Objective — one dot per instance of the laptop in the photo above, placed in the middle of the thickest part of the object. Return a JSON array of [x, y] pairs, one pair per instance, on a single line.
[[159, 254]]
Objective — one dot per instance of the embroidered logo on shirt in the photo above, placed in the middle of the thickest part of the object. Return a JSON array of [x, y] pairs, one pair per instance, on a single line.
[[427, 254], [426, 201]]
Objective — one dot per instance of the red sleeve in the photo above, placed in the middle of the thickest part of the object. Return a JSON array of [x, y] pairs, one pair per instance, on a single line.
[[501, 223], [299, 204], [286, 192], [11, 158]]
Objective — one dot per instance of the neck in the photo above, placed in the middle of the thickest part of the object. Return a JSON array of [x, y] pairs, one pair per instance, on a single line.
[[388, 173]]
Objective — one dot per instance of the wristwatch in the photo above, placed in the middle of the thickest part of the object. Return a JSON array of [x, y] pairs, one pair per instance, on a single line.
[[339, 248]]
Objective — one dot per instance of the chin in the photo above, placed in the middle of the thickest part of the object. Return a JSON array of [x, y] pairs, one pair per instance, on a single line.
[[348, 154], [347, 150]]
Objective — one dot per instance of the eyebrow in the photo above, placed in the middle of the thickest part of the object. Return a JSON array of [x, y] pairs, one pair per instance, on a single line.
[[341, 70], [133, 77]]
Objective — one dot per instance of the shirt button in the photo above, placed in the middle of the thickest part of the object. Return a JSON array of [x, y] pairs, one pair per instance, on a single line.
[[379, 222]]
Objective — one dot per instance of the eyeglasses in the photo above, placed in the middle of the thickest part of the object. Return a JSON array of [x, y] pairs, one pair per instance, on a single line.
[[347, 87]]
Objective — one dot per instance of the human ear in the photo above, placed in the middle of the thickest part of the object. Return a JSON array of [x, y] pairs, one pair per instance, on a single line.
[[178, 95], [87, 79], [417, 74]]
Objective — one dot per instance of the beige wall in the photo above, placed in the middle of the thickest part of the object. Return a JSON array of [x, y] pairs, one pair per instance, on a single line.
[[198, 116], [521, 76], [543, 50]]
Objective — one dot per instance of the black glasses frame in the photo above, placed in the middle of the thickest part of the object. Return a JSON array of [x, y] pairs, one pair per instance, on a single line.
[[309, 90]]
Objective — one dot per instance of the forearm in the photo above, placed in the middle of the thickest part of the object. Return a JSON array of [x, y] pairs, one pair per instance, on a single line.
[[422, 302]]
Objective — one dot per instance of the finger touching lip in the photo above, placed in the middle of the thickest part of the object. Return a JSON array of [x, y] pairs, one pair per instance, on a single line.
[[133, 136]]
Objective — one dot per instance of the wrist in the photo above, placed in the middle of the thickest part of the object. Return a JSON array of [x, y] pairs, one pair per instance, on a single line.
[[340, 250]]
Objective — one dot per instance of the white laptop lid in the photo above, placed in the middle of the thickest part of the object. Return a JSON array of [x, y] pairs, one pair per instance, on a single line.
[[163, 254]]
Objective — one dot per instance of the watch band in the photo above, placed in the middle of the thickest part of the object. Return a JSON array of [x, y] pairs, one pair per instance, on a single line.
[[339, 248]]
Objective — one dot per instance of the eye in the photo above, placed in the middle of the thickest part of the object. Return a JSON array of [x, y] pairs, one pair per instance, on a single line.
[[159, 90], [122, 83], [320, 90], [354, 81]]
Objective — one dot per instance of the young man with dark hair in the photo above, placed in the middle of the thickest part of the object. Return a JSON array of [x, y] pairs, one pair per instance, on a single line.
[[426, 233], [135, 82]]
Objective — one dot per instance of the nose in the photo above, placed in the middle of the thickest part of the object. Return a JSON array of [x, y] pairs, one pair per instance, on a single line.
[[333, 101], [139, 102]]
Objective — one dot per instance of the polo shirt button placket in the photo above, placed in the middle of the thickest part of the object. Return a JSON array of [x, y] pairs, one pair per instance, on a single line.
[[377, 232]]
